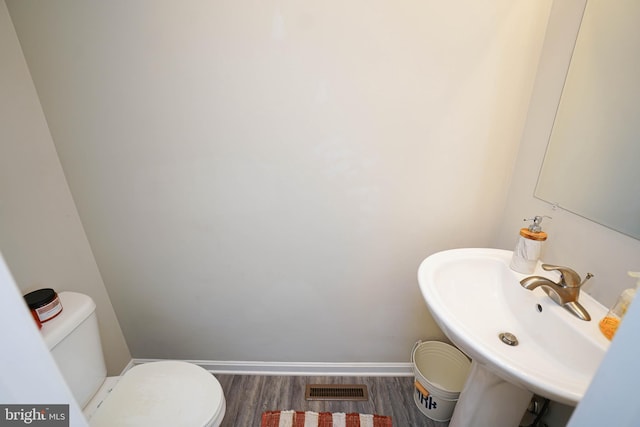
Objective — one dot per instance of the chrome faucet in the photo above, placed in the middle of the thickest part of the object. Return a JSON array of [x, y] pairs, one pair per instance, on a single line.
[[565, 292]]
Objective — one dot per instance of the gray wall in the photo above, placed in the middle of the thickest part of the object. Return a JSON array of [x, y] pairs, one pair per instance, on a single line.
[[259, 181], [41, 236]]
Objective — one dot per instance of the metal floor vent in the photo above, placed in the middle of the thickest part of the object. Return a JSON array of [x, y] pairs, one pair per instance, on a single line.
[[336, 392]]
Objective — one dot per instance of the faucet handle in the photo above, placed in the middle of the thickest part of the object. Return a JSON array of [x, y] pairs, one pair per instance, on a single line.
[[568, 277]]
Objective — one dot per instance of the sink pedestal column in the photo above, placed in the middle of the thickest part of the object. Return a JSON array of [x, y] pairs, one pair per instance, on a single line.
[[488, 400]]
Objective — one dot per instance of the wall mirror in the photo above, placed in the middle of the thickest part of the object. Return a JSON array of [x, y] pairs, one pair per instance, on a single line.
[[592, 163]]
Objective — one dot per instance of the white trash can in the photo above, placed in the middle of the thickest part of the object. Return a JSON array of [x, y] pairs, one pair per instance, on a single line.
[[440, 373]]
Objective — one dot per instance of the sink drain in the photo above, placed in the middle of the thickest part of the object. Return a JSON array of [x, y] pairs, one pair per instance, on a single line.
[[508, 338]]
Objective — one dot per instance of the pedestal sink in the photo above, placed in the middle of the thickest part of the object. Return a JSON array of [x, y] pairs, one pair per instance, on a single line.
[[475, 297]]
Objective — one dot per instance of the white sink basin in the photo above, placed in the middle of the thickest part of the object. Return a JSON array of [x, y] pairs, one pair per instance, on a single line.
[[474, 296]]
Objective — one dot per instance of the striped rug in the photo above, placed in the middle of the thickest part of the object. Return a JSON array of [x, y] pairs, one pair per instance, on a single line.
[[322, 419]]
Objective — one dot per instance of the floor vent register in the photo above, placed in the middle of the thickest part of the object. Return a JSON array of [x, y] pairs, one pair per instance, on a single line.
[[336, 392]]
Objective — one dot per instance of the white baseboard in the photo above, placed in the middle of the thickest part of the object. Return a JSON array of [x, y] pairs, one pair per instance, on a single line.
[[300, 368]]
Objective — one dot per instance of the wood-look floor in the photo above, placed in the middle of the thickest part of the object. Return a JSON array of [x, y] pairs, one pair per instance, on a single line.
[[248, 396]]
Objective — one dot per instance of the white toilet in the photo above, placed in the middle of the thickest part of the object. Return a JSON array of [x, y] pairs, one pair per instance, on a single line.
[[167, 393]]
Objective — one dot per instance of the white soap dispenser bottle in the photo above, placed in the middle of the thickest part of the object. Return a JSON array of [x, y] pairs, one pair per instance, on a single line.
[[529, 246]]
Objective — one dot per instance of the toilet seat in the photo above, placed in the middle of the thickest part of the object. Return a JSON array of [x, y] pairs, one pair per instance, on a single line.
[[167, 393]]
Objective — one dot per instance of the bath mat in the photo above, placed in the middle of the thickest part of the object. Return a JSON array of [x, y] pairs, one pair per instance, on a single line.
[[322, 419]]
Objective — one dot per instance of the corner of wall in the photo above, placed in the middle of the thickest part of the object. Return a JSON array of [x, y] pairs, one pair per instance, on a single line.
[[41, 236]]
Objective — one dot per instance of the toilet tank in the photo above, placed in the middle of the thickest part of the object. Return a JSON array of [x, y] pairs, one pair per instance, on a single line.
[[74, 342]]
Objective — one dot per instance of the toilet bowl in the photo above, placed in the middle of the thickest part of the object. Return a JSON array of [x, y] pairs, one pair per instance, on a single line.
[[166, 393], [170, 393]]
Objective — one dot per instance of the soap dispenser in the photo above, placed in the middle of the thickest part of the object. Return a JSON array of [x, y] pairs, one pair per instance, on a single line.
[[529, 246], [609, 324]]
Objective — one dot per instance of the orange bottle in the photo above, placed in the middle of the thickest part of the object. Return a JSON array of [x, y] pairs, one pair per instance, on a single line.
[[610, 323]]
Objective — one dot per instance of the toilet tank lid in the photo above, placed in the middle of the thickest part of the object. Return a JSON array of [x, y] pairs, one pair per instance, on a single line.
[[76, 308]]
